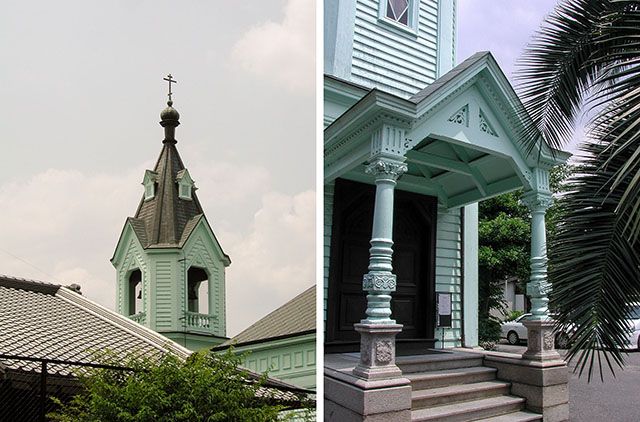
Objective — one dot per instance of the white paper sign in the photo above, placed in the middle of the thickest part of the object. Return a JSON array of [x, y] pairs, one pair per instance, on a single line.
[[444, 304]]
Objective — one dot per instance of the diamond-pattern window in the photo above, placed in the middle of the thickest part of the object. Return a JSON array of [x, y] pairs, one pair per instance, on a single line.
[[398, 10]]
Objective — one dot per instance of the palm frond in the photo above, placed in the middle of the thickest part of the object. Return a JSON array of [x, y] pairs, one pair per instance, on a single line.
[[594, 268], [555, 72]]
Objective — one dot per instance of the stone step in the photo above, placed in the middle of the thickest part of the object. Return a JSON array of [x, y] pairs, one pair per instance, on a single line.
[[521, 416], [457, 393], [445, 377], [470, 410], [438, 362]]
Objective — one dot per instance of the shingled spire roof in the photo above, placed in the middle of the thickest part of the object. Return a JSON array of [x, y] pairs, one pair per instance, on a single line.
[[162, 220]]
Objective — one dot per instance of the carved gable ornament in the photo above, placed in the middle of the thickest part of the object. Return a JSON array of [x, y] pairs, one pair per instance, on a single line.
[[461, 116], [485, 126]]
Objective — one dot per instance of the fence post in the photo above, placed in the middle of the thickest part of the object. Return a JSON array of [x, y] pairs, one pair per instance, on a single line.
[[43, 391]]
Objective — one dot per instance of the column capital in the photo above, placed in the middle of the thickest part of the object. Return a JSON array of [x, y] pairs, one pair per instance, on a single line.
[[386, 168], [537, 201]]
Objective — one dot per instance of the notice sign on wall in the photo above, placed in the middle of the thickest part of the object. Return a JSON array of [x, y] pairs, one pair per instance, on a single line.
[[444, 309]]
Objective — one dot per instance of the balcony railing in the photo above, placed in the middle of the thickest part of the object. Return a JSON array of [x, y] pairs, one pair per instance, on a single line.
[[140, 317], [200, 322]]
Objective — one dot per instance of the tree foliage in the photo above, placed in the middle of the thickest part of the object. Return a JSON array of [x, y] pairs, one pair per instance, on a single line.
[[504, 235], [586, 56], [204, 387]]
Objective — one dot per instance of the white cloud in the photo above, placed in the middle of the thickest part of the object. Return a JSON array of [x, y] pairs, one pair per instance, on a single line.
[[282, 52], [275, 261], [65, 224]]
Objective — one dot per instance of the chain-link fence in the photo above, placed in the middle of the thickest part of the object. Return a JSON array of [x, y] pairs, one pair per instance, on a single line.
[[27, 385]]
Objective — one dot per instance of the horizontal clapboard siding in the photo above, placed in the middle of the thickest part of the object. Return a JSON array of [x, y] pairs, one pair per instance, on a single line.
[[390, 60], [449, 272], [328, 222], [164, 293]]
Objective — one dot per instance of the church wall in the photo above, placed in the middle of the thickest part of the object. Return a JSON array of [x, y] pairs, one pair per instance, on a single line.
[[291, 359], [390, 58], [166, 277], [132, 258], [449, 272], [328, 223]]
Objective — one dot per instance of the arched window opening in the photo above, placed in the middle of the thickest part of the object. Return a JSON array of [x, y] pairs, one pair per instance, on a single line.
[[135, 292], [198, 290]]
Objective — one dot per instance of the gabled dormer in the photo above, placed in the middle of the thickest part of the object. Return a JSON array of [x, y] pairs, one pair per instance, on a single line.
[[185, 184], [149, 181]]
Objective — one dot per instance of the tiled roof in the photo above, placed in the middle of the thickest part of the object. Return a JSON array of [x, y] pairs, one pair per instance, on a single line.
[[165, 215], [294, 317], [49, 321], [450, 75]]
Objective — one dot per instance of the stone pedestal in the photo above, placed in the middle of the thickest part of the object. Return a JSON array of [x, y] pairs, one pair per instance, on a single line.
[[543, 383], [541, 341], [377, 351], [348, 398]]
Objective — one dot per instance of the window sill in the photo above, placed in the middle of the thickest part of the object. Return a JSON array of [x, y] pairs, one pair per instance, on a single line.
[[398, 28]]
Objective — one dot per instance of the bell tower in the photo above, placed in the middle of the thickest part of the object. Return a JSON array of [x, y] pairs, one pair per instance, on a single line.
[[170, 266]]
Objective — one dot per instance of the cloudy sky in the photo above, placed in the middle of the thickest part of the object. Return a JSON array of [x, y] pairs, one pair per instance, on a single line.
[[80, 94]]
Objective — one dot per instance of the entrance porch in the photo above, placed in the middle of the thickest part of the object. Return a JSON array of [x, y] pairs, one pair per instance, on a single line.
[[402, 182]]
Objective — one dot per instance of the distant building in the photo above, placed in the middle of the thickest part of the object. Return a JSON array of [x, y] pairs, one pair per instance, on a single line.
[[283, 342], [170, 266]]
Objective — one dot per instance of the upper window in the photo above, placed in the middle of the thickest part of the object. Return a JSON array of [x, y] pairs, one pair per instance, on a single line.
[[399, 15], [398, 10], [185, 184]]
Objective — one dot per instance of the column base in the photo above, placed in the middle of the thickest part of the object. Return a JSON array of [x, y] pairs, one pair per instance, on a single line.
[[541, 341], [377, 351]]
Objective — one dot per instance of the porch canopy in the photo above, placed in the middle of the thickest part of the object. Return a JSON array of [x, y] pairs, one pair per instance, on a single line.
[[460, 138]]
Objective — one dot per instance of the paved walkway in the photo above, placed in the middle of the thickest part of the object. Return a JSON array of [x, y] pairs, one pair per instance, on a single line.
[[616, 399]]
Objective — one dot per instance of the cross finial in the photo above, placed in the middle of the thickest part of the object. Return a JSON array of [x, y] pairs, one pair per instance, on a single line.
[[170, 79]]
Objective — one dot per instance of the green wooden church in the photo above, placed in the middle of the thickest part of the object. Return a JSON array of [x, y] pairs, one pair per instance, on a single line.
[[413, 140], [170, 266]]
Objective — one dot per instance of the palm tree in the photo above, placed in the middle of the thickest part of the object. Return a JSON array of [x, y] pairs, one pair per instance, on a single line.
[[586, 58]]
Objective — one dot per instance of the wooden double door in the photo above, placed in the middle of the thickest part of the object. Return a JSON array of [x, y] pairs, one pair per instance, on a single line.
[[413, 302]]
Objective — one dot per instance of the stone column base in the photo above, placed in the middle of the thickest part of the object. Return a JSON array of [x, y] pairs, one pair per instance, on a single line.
[[377, 351], [540, 341], [351, 399]]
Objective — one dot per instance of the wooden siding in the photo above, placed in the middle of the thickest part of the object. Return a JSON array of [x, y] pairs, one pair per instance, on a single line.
[[328, 223], [164, 279], [291, 360], [389, 59], [449, 272]]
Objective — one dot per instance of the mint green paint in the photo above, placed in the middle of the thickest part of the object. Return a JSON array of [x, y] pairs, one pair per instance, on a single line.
[[164, 285], [290, 359], [446, 35], [470, 243], [449, 272], [363, 46], [328, 224]]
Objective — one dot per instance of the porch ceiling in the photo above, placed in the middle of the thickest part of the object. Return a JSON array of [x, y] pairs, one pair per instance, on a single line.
[[461, 137], [456, 175]]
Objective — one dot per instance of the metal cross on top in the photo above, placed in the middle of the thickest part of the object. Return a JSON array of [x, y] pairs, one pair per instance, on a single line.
[[170, 79]]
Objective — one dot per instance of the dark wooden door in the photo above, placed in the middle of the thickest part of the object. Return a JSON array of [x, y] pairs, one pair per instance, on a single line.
[[413, 262]]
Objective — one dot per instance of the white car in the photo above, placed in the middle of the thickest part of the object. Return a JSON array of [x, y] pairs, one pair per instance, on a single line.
[[633, 340], [515, 332]]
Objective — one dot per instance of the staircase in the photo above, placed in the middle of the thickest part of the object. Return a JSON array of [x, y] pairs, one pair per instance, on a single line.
[[457, 387]]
